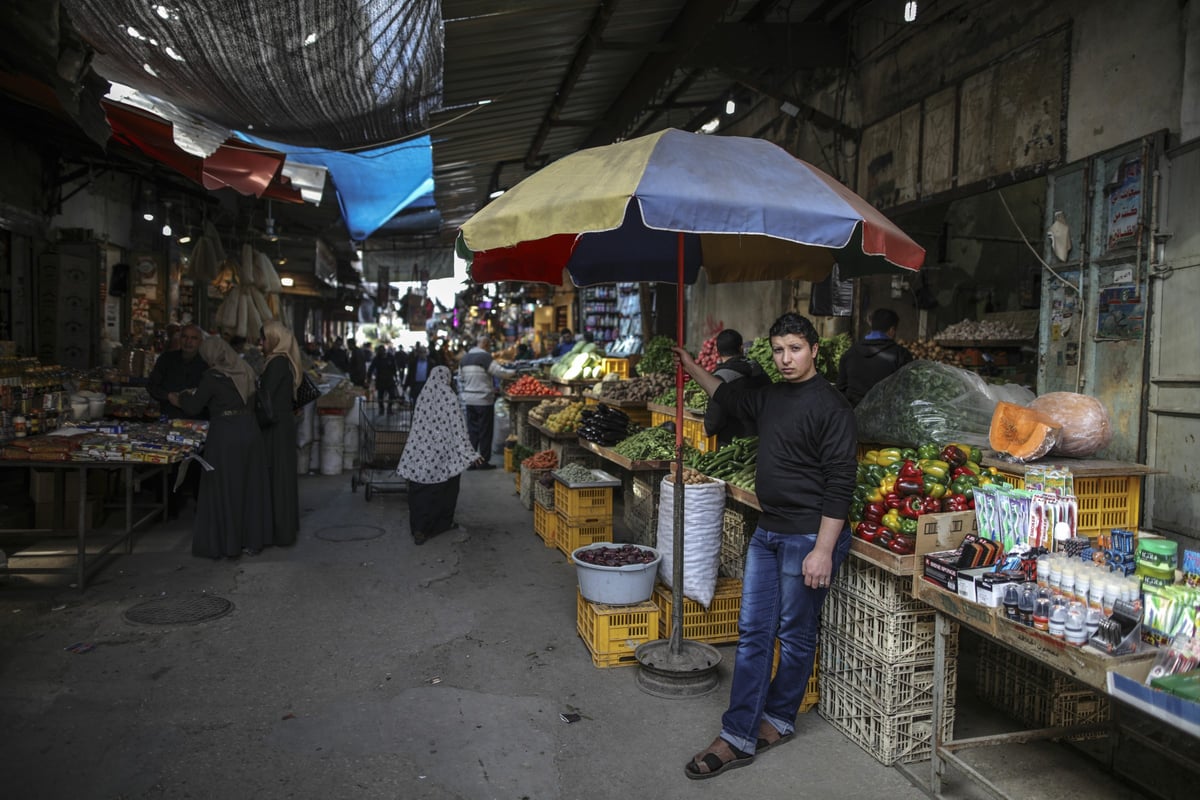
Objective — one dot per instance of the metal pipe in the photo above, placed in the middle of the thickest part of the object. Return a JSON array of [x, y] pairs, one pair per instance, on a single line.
[[677, 523]]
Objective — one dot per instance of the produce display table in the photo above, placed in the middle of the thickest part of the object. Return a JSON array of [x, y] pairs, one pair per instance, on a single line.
[[743, 496], [693, 425], [608, 454], [566, 445], [1085, 664], [521, 405], [571, 388], [634, 409], [86, 563]]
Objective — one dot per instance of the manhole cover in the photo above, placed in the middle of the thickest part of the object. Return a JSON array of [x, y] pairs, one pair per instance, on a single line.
[[181, 610], [350, 533]]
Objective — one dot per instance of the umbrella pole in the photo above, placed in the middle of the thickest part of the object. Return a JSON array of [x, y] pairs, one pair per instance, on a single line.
[[677, 528]]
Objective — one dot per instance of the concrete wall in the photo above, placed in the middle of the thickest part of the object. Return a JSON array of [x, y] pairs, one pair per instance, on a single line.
[[105, 207]]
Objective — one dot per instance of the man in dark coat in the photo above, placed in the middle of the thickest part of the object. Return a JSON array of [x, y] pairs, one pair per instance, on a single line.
[[873, 359], [174, 372], [732, 366]]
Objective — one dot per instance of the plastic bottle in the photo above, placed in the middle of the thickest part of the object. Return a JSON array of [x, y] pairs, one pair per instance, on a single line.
[[1092, 620], [1043, 570], [1058, 620], [1068, 582], [1056, 574], [1012, 599], [1026, 602], [1075, 626], [1096, 592], [1112, 593], [1041, 614], [19, 429], [1083, 584]]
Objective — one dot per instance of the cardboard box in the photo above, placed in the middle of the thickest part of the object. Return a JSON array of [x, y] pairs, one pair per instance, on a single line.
[[942, 568], [983, 585], [1127, 682], [66, 515], [938, 532], [42, 483]]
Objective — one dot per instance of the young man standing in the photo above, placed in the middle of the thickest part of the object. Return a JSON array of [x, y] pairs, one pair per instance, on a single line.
[[804, 481], [475, 373], [873, 359]]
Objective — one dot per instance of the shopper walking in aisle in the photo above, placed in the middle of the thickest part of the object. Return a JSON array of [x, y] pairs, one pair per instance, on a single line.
[[417, 372], [873, 359], [281, 377], [234, 509], [435, 456], [383, 372], [476, 374], [804, 480], [358, 364]]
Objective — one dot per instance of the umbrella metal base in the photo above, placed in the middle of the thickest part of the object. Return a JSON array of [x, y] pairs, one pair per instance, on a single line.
[[692, 672]]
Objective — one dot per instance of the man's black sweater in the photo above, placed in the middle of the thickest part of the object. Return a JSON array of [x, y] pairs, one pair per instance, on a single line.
[[807, 444]]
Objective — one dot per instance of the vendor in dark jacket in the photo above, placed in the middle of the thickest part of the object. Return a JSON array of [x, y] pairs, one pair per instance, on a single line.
[[176, 370], [873, 359], [732, 366], [804, 481]]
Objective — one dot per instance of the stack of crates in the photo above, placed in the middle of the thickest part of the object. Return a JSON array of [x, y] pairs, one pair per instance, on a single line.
[[641, 492], [737, 527], [716, 625], [585, 515], [545, 524], [1035, 694], [613, 633], [1107, 502], [693, 430], [876, 675]]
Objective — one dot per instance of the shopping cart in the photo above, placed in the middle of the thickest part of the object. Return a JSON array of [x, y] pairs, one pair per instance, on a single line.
[[382, 433]]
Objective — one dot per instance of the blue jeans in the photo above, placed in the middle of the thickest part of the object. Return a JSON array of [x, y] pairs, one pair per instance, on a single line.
[[775, 604]]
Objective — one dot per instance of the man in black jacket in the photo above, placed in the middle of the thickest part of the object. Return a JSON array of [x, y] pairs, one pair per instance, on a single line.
[[873, 359], [732, 366]]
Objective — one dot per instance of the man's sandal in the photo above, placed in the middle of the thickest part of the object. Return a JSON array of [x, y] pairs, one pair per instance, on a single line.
[[713, 763], [762, 745]]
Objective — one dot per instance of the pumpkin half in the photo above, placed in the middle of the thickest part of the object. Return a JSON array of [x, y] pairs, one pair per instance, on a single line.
[[1084, 421], [1026, 434]]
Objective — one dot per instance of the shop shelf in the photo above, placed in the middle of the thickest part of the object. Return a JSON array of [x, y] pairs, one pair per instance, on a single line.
[[717, 625], [569, 537], [890, 738], [583, 505], [545, 524], [1105, 502], [891, 686], [613, 633]]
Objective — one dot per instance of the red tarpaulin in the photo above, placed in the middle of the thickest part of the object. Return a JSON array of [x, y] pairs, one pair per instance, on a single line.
[[238, 165]]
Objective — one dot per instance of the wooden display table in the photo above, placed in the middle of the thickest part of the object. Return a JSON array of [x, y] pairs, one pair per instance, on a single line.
[[608, 454]]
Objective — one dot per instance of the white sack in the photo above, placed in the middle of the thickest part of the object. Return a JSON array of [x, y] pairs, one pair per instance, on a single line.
[[703, 521]]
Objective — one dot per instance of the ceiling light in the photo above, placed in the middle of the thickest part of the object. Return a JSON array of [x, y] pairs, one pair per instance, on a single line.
[[185, 239], [495, 194], [348, 308], [730, 107], [910, 11], [166, 229], [287, 281], [711, 126], [148, 216]]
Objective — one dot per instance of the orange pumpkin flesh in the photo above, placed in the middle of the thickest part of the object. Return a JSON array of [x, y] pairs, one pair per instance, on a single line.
[[1023, 433]]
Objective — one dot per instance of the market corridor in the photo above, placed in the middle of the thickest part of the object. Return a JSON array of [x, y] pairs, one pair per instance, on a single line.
[[357, 665]]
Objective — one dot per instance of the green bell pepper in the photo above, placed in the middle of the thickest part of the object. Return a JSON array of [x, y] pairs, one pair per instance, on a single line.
[[928, 451], [908, 527]]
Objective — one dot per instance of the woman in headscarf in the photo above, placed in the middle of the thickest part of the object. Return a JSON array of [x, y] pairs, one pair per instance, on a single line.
[[281, 378], [233, 513], [438, 451]]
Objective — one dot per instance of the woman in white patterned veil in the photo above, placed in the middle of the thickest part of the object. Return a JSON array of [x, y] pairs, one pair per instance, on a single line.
[[438, 451]]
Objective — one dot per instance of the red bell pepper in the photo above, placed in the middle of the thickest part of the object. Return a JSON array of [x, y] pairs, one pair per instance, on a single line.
[[873, 512], [930, 505], [893, 500], [867, 531], [953, 456], [910, 486], [910, 470], [902, 545], [957, 502], [912, 506], [960, 471]]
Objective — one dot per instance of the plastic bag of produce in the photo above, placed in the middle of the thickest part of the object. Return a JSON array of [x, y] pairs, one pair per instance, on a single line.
[[925, 401], [703, 519]]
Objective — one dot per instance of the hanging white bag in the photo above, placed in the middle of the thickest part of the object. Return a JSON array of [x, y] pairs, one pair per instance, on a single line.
[[703, 522]]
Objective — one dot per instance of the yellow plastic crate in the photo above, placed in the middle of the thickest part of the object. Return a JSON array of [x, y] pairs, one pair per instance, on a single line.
[[693, 431], [517, 476], [584, 505], [569, 537], [545, 524], [617, 366], [613, 633], [638, 416], [510, 463], [1112, 501], [717, 625]]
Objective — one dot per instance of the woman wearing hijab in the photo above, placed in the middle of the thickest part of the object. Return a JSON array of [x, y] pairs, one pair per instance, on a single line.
[[437, 453], [281, 378], [233, 513]]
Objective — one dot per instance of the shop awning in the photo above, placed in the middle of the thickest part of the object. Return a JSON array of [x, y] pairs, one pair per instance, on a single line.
[[245, 167]]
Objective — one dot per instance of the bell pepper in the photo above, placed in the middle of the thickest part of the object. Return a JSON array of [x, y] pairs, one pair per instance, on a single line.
[[873, 512], [932, 487], [931, 466], [861, 490], [974, 467], [867, 531], [952, 455], [908, 454], [958, 472], [887, 484], [888, 456], [870, 457], [964, 486], [884, 536], [911, 507], [956, 502], [894, 468], [875, 474], [893, 500], [976, 455], [909, 469], [856, 511], [860, 474], [902, 545], [874, 495], [909, 486], [929, 450], [891, 519], [908, 527], [931, 505]]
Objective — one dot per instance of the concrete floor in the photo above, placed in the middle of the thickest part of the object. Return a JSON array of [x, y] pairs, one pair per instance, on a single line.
[[359, 667]]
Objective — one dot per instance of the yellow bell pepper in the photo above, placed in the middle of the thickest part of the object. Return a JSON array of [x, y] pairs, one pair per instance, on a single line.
[[870, 457], [888, 456], [888, 484]]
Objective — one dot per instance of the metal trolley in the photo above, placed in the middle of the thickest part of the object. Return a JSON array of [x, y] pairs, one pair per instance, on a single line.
[[382, 433]]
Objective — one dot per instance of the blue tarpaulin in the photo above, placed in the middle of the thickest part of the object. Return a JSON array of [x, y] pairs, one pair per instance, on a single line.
[[372, 185]]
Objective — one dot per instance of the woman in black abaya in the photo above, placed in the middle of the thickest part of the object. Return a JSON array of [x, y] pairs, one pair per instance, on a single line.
[[281, 378], [438, 451], [233, 513]]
